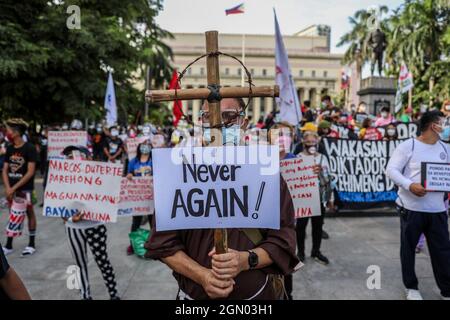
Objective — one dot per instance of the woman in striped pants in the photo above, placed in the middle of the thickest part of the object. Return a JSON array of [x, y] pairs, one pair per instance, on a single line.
[[83, 233]]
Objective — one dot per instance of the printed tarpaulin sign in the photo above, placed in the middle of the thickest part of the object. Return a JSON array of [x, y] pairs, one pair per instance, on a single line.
[[217, 187], [136, 197], [132, 145], [436, 176], [303, 185], [58, 140], [86, 187], [359, 171]]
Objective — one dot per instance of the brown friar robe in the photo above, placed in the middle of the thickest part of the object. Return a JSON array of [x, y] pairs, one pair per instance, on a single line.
[[279, 244]]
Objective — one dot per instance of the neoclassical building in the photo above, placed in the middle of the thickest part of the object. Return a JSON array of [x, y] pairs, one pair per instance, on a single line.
[[315, 70]]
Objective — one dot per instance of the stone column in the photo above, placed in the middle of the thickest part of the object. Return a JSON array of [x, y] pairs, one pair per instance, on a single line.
[[256, 109], [268, 102], [195, 110]]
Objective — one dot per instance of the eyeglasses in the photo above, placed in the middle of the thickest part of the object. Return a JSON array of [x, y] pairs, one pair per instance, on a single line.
[[229, 117]]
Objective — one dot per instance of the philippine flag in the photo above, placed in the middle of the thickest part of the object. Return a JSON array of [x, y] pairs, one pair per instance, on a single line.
[[235, 10]]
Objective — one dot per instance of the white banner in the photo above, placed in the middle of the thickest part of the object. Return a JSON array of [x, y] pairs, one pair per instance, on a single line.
[[303, 185], [217, 187], [136, 197], [405, 80], [58, 140], [86, 187]]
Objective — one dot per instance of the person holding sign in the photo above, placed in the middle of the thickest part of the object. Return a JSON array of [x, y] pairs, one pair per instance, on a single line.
[[18, 177], [256, 259], [141, 166], [82, 233], [422, 211], [310, 147]]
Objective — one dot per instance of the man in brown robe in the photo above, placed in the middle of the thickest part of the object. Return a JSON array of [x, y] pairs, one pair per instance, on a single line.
[[203, 274]]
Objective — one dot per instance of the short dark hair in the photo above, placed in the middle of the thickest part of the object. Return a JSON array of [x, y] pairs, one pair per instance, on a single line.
[[17, 125], [429, 118], [385, 109], [326, 98], [307, 103]]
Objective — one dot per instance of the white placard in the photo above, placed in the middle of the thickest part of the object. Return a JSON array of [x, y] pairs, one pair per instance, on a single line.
[[217, 187], [136, 197], [86, 187], [303, 185], [58, 140], [436, 176], [132, 145]]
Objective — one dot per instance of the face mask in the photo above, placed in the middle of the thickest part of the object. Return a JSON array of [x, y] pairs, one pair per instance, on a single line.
[[447, 107], [132, 134], [311, 149], [114, 133], [445, 134], [145, 149], [99, 130], [65, 127], [391, 132], [231, 135], [10, 137], [384, 115], [284, 142]]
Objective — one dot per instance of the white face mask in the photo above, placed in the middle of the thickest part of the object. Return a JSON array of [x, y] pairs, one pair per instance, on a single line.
[[114, 133], [391, 132], [384, 115]]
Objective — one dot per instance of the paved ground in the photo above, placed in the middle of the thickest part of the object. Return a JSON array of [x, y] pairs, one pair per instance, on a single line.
[[355, 244]]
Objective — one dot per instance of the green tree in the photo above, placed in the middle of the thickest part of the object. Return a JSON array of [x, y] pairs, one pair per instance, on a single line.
[[50, 73], [420, 36]]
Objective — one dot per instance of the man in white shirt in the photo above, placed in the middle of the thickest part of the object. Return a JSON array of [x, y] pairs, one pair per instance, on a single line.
[[422, 211]]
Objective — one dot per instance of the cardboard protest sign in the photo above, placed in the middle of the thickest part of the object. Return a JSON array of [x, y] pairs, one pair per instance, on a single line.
[[58, 140], [303, 185], [136, 197], [132, 145], [436, 176], [217, 187], [86, 187], [359, 171]]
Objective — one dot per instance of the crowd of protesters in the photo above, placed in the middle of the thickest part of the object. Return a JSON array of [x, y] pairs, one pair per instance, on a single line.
[[23, 152]]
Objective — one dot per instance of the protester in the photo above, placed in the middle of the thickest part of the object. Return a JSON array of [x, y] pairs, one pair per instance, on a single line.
[[82, 233], [18, 178], [369, 132], [325, 130], [310, 147], [252, 268], [406, 116], [11, 286], [113, 147], [281, 134], [390, 133], [422, 211], [385, 117], [98, 142], [308, 114], [141, 166]]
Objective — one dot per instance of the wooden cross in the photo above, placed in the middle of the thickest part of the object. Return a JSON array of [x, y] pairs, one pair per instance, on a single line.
[[215, 116]]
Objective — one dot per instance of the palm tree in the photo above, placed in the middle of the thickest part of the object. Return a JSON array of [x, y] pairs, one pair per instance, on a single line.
[[362, 23]]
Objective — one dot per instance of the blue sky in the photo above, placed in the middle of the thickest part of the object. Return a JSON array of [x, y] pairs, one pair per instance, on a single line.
[[293, 15]]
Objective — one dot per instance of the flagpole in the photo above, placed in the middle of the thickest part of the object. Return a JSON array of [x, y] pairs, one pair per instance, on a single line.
[[243, 60]]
